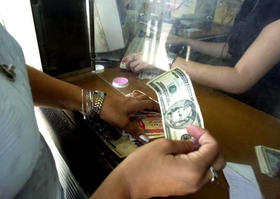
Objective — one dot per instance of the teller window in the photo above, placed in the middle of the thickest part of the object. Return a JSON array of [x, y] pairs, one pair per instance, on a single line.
[[158, 28], [211, 33]]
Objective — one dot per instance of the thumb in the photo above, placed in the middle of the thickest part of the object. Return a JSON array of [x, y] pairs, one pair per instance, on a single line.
[[208, 149], [196, 131], [180, 147]]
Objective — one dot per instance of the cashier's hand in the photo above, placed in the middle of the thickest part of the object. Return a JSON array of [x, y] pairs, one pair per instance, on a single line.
[[134, 62], [117, 111], [164, 167]]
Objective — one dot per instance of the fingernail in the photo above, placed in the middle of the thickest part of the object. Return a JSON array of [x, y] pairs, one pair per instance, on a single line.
[[192, 126], [144, 138]]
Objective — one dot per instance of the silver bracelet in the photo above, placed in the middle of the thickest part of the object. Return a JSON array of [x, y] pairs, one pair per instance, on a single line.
[[90, 104], [83, 105], [94, 103]]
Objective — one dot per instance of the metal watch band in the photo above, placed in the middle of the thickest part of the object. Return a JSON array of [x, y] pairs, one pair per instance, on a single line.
[[93, 104], [98, 102]]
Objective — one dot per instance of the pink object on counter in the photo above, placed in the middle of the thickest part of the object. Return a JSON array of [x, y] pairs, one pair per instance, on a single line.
[[120, 82]]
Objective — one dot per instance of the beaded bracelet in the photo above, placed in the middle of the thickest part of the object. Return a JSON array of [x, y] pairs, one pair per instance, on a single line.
[[98, 102], [92, 103]]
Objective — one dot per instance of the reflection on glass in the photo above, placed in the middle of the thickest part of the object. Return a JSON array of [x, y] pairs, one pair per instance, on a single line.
[[202, 35], [146, 25], [108, 30]]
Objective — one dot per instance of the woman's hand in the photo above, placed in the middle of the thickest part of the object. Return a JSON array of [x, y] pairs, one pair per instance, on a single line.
[[134, 62], [164, 167], [117, 111]]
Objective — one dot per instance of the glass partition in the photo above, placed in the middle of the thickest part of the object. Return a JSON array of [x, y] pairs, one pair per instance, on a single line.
[[196, 35], [152, 27]]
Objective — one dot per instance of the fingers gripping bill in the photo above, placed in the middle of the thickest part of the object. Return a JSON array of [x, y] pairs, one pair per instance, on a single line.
[[178, 103]]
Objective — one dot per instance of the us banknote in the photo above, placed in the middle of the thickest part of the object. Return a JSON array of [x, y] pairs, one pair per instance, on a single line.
[[269, 160], [178, 103]]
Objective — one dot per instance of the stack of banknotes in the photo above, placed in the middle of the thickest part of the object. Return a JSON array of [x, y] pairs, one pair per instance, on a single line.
[[269, 160]]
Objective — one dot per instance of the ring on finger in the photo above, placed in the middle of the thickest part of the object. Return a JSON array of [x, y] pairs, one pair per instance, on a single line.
[[214, 173]]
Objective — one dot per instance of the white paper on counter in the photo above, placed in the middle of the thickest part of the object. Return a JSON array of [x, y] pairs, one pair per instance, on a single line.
[[242, 181]]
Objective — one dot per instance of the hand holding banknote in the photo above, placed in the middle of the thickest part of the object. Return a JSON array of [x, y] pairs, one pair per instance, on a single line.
[[164, 167]]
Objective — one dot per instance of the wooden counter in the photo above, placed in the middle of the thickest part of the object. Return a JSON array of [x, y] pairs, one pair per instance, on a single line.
[[237, 127]]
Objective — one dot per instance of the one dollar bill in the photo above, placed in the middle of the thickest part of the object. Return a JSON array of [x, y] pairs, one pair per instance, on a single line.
[[178, 103]]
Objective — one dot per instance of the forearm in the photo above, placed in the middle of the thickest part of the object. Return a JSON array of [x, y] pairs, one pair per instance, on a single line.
[[114, 187], [213, 49], [259, 58], [224, 78], [50, 92]]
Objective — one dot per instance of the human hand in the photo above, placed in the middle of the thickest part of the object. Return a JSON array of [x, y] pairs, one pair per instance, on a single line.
[[134, 62], [117, 111], [164, 167]]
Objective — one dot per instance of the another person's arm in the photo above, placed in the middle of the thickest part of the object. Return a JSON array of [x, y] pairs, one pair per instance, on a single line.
[[214, 49], [259, 58], [134, 62], [185, 170], [51, 92]]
